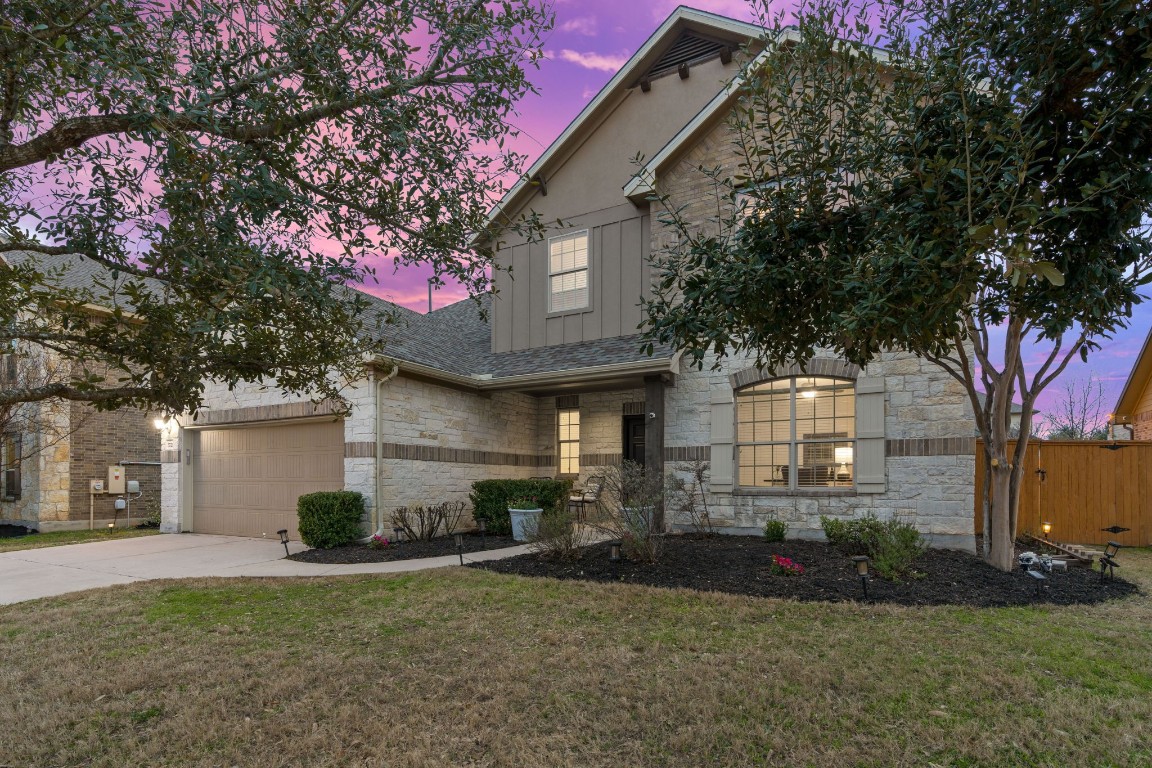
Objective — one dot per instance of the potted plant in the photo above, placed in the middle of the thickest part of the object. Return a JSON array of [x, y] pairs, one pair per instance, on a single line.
[[524, 512]]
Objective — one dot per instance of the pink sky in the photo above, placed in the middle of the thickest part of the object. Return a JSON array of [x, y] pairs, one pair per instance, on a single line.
[[591, 40]]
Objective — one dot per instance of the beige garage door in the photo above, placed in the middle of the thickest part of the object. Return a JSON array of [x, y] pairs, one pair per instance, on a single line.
[[247, 479]]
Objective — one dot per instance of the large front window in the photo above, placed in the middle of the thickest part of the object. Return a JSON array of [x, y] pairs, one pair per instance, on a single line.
[[797, 432], [568, 272]]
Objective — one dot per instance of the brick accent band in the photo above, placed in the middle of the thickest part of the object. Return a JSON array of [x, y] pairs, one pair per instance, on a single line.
[[464, 456], [634, 409], [688, 453], [932, 446], [360, 450], [817, 366], [600, 459], [277, 412], [170, 457]]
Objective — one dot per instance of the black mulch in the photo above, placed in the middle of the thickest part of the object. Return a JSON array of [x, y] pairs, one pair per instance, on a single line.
[[403, 550], [739, 565]]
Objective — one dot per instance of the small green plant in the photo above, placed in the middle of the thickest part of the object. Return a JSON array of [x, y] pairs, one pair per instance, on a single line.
[[524, 502], [785, 566], [774, 530], [328, 519], [892, 544]]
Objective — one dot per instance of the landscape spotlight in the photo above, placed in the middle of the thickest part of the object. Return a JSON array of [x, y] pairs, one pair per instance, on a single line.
[[1047, 528], [397, 533], [284, 539], [614, 556], [862, 570], [483, 527], [459, 545]]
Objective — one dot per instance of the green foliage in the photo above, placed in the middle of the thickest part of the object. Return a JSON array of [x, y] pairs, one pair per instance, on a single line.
[[892, 545], [330, 518], [490, 499], [222, 170], [774, 530], [929, 176]]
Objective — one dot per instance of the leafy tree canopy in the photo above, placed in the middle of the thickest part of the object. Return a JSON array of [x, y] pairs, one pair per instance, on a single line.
[[187, 165], [913, 175]]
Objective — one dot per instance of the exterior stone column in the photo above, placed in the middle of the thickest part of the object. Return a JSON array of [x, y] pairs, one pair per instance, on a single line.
[[654, 434]]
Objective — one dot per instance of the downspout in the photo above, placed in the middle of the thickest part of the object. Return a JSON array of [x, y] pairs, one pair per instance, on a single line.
[[379, 507]]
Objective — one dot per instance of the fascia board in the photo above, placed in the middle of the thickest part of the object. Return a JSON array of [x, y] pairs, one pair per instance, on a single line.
[[1135, 385]]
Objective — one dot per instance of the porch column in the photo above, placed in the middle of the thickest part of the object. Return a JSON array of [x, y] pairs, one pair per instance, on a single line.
[[654, 434]]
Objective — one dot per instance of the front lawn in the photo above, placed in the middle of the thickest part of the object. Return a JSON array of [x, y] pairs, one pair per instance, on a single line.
[[56, 538], [466, 667]]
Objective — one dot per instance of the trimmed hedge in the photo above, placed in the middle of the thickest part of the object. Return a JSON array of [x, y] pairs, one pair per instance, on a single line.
[[490, 499], [330, 518]]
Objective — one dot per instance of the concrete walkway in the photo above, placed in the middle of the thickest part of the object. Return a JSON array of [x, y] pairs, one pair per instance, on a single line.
[[33, 573]]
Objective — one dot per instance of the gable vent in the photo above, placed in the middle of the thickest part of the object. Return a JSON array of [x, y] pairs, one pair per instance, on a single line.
[[689, 48]]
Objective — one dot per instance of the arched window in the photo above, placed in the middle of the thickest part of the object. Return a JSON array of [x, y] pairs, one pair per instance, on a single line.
[[796, 432]]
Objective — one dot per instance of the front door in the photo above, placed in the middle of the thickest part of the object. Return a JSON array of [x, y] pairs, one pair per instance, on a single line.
[[634, 439]]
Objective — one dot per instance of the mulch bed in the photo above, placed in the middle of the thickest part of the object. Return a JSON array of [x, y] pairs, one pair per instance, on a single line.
[[739, 565], [402, 550]]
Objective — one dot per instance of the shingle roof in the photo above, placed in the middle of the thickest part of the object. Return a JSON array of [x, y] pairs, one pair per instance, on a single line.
[[71, 271], [458, 339]]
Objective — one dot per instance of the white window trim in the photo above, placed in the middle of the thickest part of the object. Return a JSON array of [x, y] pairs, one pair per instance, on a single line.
[[587, 268]]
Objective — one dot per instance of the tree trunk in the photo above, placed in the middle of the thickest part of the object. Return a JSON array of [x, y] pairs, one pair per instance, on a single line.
[[1001, 550]]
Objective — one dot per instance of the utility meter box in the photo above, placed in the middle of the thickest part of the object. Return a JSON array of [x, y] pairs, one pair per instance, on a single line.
[[115, 479], [97, 486], [133, 486], [121, 504]]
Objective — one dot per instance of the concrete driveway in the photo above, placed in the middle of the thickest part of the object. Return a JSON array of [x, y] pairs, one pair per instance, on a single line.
[[33, 573]]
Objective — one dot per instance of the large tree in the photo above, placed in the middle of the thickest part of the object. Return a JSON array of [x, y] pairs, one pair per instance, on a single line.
[[187, 186], [968, 180]]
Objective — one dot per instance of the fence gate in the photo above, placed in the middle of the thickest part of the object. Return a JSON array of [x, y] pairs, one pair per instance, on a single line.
[[1082, 487]]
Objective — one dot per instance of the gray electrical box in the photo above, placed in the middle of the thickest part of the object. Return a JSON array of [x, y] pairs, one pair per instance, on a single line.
[[133, 486]]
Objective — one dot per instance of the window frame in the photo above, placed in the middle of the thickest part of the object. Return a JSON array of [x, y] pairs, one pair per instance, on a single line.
[[561, 442], [796, 444], [586, 269], [11, 479]]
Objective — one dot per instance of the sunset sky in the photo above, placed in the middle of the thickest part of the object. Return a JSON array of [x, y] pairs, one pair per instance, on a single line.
[[591, 40]]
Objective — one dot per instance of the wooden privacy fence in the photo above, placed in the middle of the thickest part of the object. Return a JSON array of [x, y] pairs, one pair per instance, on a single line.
[[1081, 487]]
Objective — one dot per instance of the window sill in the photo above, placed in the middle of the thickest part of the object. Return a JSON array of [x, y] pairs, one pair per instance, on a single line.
[[566, 312], [794, 492]]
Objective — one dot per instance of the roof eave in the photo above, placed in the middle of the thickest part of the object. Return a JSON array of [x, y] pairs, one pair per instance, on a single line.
[[1135, 385]]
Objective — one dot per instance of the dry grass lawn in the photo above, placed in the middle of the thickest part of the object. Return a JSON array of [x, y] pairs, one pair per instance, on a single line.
[[461, 667], [56, 538]]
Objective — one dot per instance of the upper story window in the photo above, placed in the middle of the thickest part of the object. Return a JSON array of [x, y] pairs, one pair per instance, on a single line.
[[568, 272], [796, 432]]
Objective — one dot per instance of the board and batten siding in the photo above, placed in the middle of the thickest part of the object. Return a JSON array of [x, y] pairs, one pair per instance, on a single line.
[[618, 276]]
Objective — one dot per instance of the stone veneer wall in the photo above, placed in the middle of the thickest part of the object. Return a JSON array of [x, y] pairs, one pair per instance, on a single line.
[[439, 440], [930, 465], [926, 411], [601, 428]]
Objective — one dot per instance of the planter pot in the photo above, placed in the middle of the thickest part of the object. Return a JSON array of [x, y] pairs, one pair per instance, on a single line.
[[523, 521]]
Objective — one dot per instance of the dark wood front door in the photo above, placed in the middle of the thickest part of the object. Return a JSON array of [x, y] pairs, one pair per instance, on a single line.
[[634, 439]]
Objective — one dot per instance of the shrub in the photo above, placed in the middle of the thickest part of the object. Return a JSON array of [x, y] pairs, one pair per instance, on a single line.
[[329, 518], [688, 499], [634, 497], [490, 499], [892, 544], [556, 536], [423, 523], [379, 542], [774, 530]]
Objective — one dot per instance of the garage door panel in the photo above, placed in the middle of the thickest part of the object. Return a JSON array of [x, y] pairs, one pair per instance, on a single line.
[[247, 480]]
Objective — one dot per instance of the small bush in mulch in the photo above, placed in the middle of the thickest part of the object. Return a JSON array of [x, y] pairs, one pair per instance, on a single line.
[[742, 565], [403, 550]]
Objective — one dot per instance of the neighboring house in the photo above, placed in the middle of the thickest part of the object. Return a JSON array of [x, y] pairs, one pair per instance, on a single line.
[[1017, 412], [1132, 416], [51, 452], [555, 382]]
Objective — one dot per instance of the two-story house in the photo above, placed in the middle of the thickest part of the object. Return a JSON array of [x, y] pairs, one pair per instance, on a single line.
[[555, 383]]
